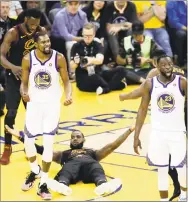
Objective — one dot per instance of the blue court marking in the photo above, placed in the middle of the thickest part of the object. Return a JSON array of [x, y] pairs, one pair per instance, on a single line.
[[108, 131]]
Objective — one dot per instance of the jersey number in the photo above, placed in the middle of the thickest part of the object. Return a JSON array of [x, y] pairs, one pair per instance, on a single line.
[[168, 98], [45, 76]]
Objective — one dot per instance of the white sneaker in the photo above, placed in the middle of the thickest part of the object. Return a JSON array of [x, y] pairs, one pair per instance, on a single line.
[[182, 198], [108, 187], [59, 187], [99, 90]]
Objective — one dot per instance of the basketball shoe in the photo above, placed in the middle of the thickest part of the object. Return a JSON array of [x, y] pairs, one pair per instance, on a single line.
[[30, 179]]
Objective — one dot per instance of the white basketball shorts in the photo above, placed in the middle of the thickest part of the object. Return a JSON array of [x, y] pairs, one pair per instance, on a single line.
[[163, 144], [42, 118]]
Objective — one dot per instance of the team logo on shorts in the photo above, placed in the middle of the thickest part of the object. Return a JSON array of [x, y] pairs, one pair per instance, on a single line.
[[42, 79], [166, 102]]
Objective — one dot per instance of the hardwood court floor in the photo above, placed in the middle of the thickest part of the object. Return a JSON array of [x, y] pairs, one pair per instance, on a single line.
[[102, 119]]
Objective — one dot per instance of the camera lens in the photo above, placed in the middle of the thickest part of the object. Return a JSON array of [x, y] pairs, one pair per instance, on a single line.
[[84, 61]]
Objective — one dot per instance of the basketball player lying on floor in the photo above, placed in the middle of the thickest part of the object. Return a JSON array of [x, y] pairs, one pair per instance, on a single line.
[[137, 93], [79, 164]]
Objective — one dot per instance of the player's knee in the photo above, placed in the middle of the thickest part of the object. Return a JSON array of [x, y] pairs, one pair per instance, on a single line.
[[47, 154], [30, 148], [163, 178], [48, 151], [48, 148]]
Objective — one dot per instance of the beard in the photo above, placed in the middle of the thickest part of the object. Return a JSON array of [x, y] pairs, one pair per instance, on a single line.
[[27, 28], [78, 146], [46, 52], [167, 75]]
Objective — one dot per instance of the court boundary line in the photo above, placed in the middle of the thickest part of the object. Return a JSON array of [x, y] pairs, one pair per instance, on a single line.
[[119, 165]]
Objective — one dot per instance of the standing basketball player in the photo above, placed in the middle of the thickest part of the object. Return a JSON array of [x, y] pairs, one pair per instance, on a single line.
[[17, 42], [137, 93], [41, 88], [166, 93]]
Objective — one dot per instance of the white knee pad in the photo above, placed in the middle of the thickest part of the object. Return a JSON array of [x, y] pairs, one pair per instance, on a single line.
[[182, 176], [163, 178], [48, 141], [30, 148]]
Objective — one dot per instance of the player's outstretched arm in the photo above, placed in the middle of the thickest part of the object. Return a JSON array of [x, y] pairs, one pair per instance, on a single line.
[[109, 148], [135, 94], [142, 114], [20, 136], [62, 65]]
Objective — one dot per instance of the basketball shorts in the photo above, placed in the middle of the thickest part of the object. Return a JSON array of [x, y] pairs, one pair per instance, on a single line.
[[42, 118], [163, 144]]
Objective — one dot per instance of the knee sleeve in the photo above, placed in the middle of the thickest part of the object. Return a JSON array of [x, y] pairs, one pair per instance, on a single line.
[[48, 141], [182, 176], [30, 148], [163, 178]]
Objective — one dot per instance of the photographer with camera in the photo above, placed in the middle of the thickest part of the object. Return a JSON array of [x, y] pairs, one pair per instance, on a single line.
[[87, 58], [137, 54]]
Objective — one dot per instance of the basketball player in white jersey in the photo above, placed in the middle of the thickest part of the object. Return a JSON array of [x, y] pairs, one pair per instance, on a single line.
[[138, 92], [167, 94], [42, 90]]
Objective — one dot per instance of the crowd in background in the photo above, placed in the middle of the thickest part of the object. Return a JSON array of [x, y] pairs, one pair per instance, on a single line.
[[165, 26]]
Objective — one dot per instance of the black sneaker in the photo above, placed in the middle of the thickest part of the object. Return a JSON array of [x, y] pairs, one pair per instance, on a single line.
[[43, 192], [177, 191], [30, 179]]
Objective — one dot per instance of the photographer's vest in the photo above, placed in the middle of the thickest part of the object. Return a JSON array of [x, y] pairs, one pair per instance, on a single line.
[[145, 48]]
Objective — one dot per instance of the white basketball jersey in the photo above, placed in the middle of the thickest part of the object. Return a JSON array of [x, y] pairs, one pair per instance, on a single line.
[[44, 84], [167, 105]]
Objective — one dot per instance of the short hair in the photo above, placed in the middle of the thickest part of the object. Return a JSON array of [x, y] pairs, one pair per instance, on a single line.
[[70, 1], [157, 53], [137, 27], [7, 1], [79, 132], [163, 56], [89, 26], [33, 13], [38, 34]]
